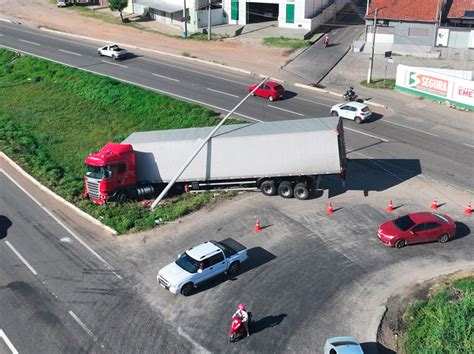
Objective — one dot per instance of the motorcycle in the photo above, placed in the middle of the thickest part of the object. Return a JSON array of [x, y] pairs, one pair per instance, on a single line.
[[350, 97], [237, 329]]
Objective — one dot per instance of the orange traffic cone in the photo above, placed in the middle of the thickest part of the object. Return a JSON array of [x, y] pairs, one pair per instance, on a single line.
[[434, 206], [257, 226], [330, 210], [390, 206], [468, 210]]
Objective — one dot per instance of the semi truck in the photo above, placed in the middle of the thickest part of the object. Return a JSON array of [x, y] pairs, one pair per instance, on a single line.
[[282, 157]]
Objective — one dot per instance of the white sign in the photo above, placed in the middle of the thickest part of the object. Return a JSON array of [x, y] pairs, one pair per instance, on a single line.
[[442, 37]]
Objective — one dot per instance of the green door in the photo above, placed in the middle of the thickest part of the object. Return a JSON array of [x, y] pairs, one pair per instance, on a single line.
[[234, 12], [290, 13]]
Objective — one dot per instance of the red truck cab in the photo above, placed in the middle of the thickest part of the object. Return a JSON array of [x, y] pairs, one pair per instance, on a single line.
[[109, 172]]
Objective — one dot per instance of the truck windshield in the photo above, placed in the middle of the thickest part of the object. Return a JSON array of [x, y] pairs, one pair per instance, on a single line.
[[187, 263], [96, 171]]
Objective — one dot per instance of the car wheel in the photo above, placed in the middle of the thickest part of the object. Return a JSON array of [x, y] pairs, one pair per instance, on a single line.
[[334, 114], [100, 54], [114, 57], [358, 120], [268, 188], [285, 189], [234, 268], [443, 238], [253, 93], [121, 197], [187, 289], [270, 98], [400, 244], [301, 191]]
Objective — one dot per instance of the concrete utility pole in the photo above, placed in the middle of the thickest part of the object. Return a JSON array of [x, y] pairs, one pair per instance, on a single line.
[[185, 166], [371, 63], [185, 20], [209, 22]]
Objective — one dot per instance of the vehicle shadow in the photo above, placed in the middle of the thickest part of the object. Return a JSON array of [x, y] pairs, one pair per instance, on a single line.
[[375, 348], [257, 256], [129, 56], [289, 94], [374, 117], [462, 230], [5, 224], [266, 322], [372, 175]]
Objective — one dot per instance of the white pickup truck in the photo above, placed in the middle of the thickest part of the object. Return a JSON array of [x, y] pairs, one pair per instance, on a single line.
[[113, 51], [200, 264]]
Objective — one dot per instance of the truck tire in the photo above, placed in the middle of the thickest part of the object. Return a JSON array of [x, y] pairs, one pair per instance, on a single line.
[[268, 188], [187, 289], [301, 191], [233, 268], [121, 197], [285, 189]]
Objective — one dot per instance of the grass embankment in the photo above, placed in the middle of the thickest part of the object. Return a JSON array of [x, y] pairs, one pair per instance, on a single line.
[[444, 323], [282, 42], [388, 84], [52, 117]]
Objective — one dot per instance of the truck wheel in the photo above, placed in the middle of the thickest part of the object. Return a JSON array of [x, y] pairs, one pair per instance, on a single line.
[[121, 197], [234, 268], [187, 289], [358, 120], [301, 191], [268, 188], [285, 189]]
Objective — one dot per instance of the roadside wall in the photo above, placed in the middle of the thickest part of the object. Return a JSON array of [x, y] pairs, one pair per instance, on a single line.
[[436, 86]]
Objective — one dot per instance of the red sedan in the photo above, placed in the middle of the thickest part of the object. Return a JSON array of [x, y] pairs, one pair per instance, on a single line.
[[417, 228], [270, 90]]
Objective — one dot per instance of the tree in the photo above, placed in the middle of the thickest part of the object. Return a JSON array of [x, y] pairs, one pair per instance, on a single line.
[[118, 5]]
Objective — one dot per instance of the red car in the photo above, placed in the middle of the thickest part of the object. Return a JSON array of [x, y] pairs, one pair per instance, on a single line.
[[269, 89], [417, 228]]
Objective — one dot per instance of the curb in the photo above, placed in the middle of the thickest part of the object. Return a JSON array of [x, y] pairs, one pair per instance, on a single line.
[[5, 20], [54, 195], [375, 324], [151, 50], [316, 89]]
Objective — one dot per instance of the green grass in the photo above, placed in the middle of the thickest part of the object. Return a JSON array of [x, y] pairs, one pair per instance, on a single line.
[[282, 42], [444, 323], [52, 117], [388, 84]]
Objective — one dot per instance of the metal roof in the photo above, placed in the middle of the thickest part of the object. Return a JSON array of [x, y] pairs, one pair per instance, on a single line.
[[250, 129], [162, 5]]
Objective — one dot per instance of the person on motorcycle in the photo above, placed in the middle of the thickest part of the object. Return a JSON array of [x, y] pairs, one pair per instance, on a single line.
[[350, 93], [326, 41], [244, 317]]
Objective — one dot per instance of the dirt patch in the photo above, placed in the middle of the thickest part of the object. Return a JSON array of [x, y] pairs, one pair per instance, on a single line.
[[392, 327]]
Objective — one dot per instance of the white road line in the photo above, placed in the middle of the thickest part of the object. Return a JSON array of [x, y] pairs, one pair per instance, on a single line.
[[1, 35], [363, 133], [406, 127], [134, 83], [471, 146], [166, 77], [286, 110], [84, 327], [25, 262], [321, 104], [224, 93], [8, 342], [85, 245], [30, 42], [67, 51], [194, 71], [108, 62]]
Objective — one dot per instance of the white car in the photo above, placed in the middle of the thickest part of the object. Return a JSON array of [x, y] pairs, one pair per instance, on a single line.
[[356, 111], [113, 51], [342, 345]]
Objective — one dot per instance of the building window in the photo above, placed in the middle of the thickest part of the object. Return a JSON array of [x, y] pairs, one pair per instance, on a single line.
[[418, 32], [234, 12]]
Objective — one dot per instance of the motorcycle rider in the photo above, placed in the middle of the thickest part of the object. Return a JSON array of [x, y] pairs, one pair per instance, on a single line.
[[244, 317], [326, 41], [350, 93]]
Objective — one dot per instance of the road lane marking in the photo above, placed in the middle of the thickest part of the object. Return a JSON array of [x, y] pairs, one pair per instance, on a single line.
[[471, 146], [108, 62], [321, 104], [194, 71], [8, 342], [1, 35], [84, 327], [286, 110], [165, 77], [133, 83], [69, 52], [30, 42], [363, 133], [407, 127], [25, 262], [224, 93], [62, 224]]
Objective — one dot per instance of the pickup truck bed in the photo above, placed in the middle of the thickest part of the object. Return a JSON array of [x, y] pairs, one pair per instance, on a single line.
[[232, 244]]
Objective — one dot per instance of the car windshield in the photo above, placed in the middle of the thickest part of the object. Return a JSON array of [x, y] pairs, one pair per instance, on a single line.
[[279, 88], [404, 223], [441, 218], [338, 344], [188, 263], [98, 172]]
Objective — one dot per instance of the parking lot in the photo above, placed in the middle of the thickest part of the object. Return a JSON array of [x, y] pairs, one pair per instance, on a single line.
[[310, 275]]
